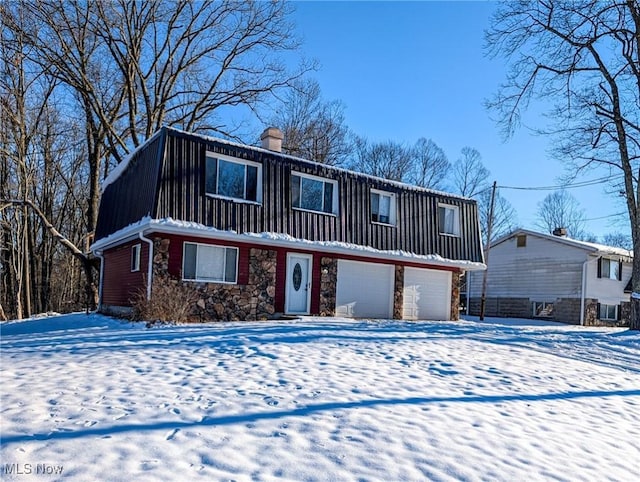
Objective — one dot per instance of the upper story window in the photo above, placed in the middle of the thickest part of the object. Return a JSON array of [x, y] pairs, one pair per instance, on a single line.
[[449, 219], [383, 207], [521, 241], [233, 178], [609, 268], [205, 262], [135, 257], [314, 193]]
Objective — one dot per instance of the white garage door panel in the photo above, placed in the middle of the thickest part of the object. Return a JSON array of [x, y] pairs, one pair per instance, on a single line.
[[364, 290], [427, 294]]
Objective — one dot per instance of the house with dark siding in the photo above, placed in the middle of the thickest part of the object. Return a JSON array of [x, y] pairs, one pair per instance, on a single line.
[[256, 233]]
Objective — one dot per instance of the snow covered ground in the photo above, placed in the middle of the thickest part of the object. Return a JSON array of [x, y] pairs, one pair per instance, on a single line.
[[318, 399]]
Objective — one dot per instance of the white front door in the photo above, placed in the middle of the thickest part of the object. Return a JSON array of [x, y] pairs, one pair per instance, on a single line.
[[298, 292]]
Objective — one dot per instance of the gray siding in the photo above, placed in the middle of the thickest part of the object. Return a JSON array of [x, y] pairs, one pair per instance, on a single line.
[[543, 270]]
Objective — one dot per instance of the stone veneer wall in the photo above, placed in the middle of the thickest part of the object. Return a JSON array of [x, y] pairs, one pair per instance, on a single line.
[[455, 296], [591, 312], [502, 307], [398, 293], [328, 280], [625, 313], [224, 302]]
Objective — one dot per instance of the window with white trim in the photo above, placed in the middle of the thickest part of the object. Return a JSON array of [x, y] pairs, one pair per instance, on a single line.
[[209, 263], [608, 312], [542, 309], [449, 219], [313, 193], [609, 268], [383, 207], [135, 257], [233, 178]]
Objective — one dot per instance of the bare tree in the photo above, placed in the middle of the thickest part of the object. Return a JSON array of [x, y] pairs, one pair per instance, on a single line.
[[618, 240], [389, 159], [430, 165], [469, 177], [582, 57], [504, 216], [561, 210], [313, 128], [120, 70], [136, 66]]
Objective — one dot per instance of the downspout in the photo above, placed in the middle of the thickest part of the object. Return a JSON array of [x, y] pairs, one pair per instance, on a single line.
[[468, 276], [149, 263], [584, 291], [100, 256]]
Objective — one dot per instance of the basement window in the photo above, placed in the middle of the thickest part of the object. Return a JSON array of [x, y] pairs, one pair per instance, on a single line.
[[542, 309], [209, 263], [608, 312]]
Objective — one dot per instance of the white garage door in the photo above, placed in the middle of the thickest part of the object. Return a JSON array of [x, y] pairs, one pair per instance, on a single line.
[[427, 294], [364, 290]]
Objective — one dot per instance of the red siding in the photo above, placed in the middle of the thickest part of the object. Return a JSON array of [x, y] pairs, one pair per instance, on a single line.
[[120, 284], [176, 243], [281, 276]]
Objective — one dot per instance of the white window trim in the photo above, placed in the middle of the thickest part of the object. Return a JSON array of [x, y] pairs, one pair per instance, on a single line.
[[245, 162], [545, 305], [615, 318], [334, 199], [456, 220], [197, 280], [611, 262], [392, 207], [136, 252]]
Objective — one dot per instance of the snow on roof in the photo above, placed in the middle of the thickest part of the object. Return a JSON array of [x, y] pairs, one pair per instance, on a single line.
[[169, 225], [595, 247], [119, 169]]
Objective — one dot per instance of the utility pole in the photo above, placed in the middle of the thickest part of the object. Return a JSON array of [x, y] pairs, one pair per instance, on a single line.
[[483, 298]]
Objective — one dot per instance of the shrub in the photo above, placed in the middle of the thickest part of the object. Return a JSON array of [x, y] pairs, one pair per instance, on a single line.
[[170, 301]]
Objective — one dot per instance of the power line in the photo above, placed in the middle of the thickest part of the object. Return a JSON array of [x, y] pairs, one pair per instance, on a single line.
[[606, 217], [591, 182]]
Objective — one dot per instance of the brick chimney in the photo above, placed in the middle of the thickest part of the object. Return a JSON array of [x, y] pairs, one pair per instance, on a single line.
[[561, 232], [272, 139]]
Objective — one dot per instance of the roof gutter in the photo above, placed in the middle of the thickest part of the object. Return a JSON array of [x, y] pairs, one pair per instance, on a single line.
[[169, 226]]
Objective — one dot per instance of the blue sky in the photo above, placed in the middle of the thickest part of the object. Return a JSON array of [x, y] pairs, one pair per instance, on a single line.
[[406, 70]]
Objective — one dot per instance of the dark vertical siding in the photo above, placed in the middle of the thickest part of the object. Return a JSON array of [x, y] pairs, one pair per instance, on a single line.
[[181, 195], [133, 195]]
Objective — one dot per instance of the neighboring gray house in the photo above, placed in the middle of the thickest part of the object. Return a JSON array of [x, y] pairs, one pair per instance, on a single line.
[[533, 275]]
